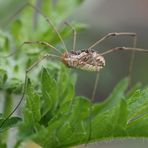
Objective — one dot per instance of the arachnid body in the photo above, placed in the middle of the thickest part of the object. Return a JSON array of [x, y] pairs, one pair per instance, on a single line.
[[84, 59]]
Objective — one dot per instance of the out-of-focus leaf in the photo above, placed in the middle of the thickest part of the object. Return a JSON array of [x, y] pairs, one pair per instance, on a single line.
[[3, 77], [4, 42], [16, 28], [3, 145], [64, 7], [13, 85], [11, 122]]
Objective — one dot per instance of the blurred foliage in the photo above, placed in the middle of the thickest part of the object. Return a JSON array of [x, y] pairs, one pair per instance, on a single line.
[[52, 115]]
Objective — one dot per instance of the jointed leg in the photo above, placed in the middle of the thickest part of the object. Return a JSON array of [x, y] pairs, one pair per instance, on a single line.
[[50, 23], [132, 61], [111, 50], [115, 34], [46, 19], [95, 87], [123, 48], [32, 42], [43, 43], [25, 84], [74, 35], [91, 105], [97, 78], [130, 34], [132, 58]]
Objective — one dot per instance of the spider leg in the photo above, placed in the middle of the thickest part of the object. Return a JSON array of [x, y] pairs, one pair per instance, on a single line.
[[31, 42], [25, 84], [132, 58], [91, 106], [49, 23], [130, 34], [74, 34], [123, 48], [91, 103], [97, 78], [131, 64]]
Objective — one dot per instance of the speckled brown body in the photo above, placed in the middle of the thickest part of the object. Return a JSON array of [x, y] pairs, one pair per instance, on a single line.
[[83, 59]]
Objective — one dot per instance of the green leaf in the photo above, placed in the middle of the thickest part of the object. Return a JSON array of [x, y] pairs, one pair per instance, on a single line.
[[13, 85], [66, 7], [122, 116], [66, 83], [47, 100], [138, 127], [137, 86], [16, 28], [3, 145], [72, 123], [49, 91], [6, 124], [110, 122], [114, 98], [3, 77], [32, 109], [31, 112], [52, 115], [138, 103], [67, 94], [4, 41], [66, 128]]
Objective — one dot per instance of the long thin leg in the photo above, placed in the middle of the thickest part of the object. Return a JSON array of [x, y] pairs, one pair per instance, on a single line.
[[50, 23], [47, 20], [43, 43], [91, 105], [32, 42], [132, 61], [132, 34], [97, 78], [25, 84], [123, 48], [74, 35], [95, 87]]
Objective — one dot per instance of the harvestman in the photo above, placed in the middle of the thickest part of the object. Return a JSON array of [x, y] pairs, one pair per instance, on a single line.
[[84, 59]]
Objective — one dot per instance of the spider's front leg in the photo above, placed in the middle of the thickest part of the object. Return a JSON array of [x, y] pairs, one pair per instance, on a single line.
[[25, 83]]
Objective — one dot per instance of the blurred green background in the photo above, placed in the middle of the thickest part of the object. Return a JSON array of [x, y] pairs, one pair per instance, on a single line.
[[102, 17]]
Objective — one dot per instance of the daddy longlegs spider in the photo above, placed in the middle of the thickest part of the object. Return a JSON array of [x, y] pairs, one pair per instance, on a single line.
[[83, 59]]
